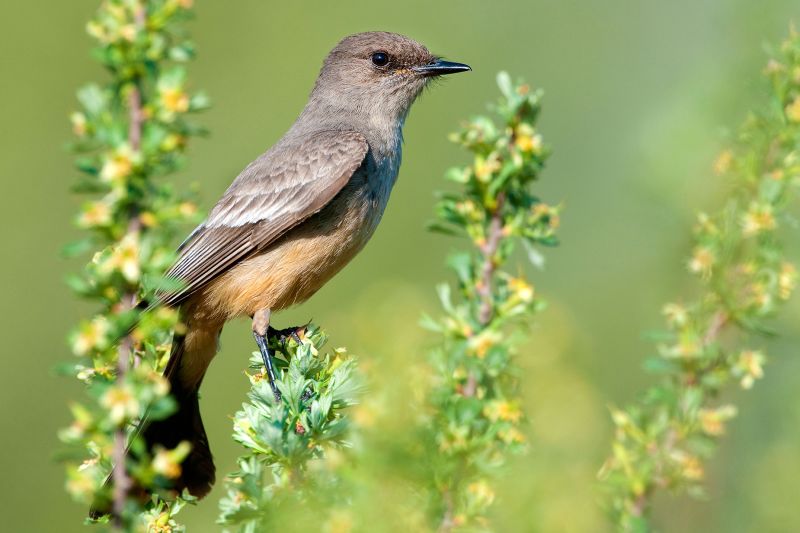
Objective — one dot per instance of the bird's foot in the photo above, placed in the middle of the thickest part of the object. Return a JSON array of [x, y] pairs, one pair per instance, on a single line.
[[282, 336], [295, 333]]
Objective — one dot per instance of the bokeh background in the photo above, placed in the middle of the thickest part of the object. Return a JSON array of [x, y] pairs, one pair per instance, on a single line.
[[638, 96]]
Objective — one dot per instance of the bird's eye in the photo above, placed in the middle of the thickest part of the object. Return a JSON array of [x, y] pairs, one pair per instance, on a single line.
[[380, 59]]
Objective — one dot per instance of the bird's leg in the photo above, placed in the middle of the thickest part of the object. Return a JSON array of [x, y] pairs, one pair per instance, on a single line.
[[294, 333], [260, 333]]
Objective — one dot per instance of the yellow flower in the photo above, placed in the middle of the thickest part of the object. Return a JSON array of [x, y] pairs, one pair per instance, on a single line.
[[689, 344], [128, 32], [118, 166], [541, 211], [787, 280], [702, 260], [751, 366], [762, 299], [723, 162], [690, 466], [148, 219], [125, 258], [121, 403], [164, 465], [83, 481], [484, 168], [117, 10], [713, 420], [160, 384], [793, 110], [468, 209], [97, 30], [78, 124], [621, 419], [502, 410], [705, 225], [676, 314], [521, 289], [758, 218], [527, 140], [511, 435], [257, 377], [159, 523], [91, 335], [773, 67], [187, 209], [243, 425], [168, 462], [480, 344], [95, 214], [481, 492], [174, 100], [456, 438]]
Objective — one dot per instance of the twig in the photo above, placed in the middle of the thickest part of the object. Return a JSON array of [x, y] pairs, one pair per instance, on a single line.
[[489, 249], [718, 322], [447, 520], [122, 482]]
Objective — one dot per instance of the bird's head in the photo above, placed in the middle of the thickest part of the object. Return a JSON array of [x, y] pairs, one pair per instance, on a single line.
[[379, 73]]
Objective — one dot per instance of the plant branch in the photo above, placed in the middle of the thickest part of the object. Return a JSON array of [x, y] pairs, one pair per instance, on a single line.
[[489, 250], [475, 409], [128, 131], [664, 439]]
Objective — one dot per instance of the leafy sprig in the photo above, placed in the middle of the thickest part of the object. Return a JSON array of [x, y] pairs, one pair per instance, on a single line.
[[131, 132], [294, 445], [714, 341], [474, 409]]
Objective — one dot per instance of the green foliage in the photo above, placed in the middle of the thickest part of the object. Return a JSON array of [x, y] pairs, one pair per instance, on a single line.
[[131, 132], [475, 413], [294, 445], [713, 341]]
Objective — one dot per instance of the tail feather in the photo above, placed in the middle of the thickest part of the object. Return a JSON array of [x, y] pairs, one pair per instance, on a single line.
[[185, 424]]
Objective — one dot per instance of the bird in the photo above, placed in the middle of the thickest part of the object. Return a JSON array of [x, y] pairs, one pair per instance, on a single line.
[[290, 221]]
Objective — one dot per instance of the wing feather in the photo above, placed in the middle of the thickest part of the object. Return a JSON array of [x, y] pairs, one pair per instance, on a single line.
[[290, 182]]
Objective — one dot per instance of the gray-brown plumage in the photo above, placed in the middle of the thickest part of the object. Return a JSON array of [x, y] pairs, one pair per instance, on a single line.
[[293, 218]]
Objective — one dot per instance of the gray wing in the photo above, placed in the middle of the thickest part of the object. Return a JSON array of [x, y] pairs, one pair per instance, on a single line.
[[280, 189]]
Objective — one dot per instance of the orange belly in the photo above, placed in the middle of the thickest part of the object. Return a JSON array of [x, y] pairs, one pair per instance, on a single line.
[[294, 267]]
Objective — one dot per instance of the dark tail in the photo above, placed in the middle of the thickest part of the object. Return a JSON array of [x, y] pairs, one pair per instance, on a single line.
[[185, 424]]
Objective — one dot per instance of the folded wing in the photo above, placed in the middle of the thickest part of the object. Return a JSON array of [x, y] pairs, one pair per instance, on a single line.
[[277, 191]]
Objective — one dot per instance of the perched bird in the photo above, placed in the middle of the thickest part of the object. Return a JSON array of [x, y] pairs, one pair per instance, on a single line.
[[291, 220]]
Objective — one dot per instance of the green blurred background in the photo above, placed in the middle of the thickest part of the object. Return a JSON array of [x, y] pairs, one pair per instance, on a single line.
[[638, 94]]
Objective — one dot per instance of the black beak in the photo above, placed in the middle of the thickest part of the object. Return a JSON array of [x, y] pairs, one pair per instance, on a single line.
[[439, 67]]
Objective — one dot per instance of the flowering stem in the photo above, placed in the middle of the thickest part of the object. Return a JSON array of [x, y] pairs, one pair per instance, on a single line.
[[129, 131], [663, 440], [122, 482], [474, 408]]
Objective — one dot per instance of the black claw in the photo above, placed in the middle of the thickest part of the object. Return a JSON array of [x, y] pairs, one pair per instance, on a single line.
[[267, 358], [282, 335]]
